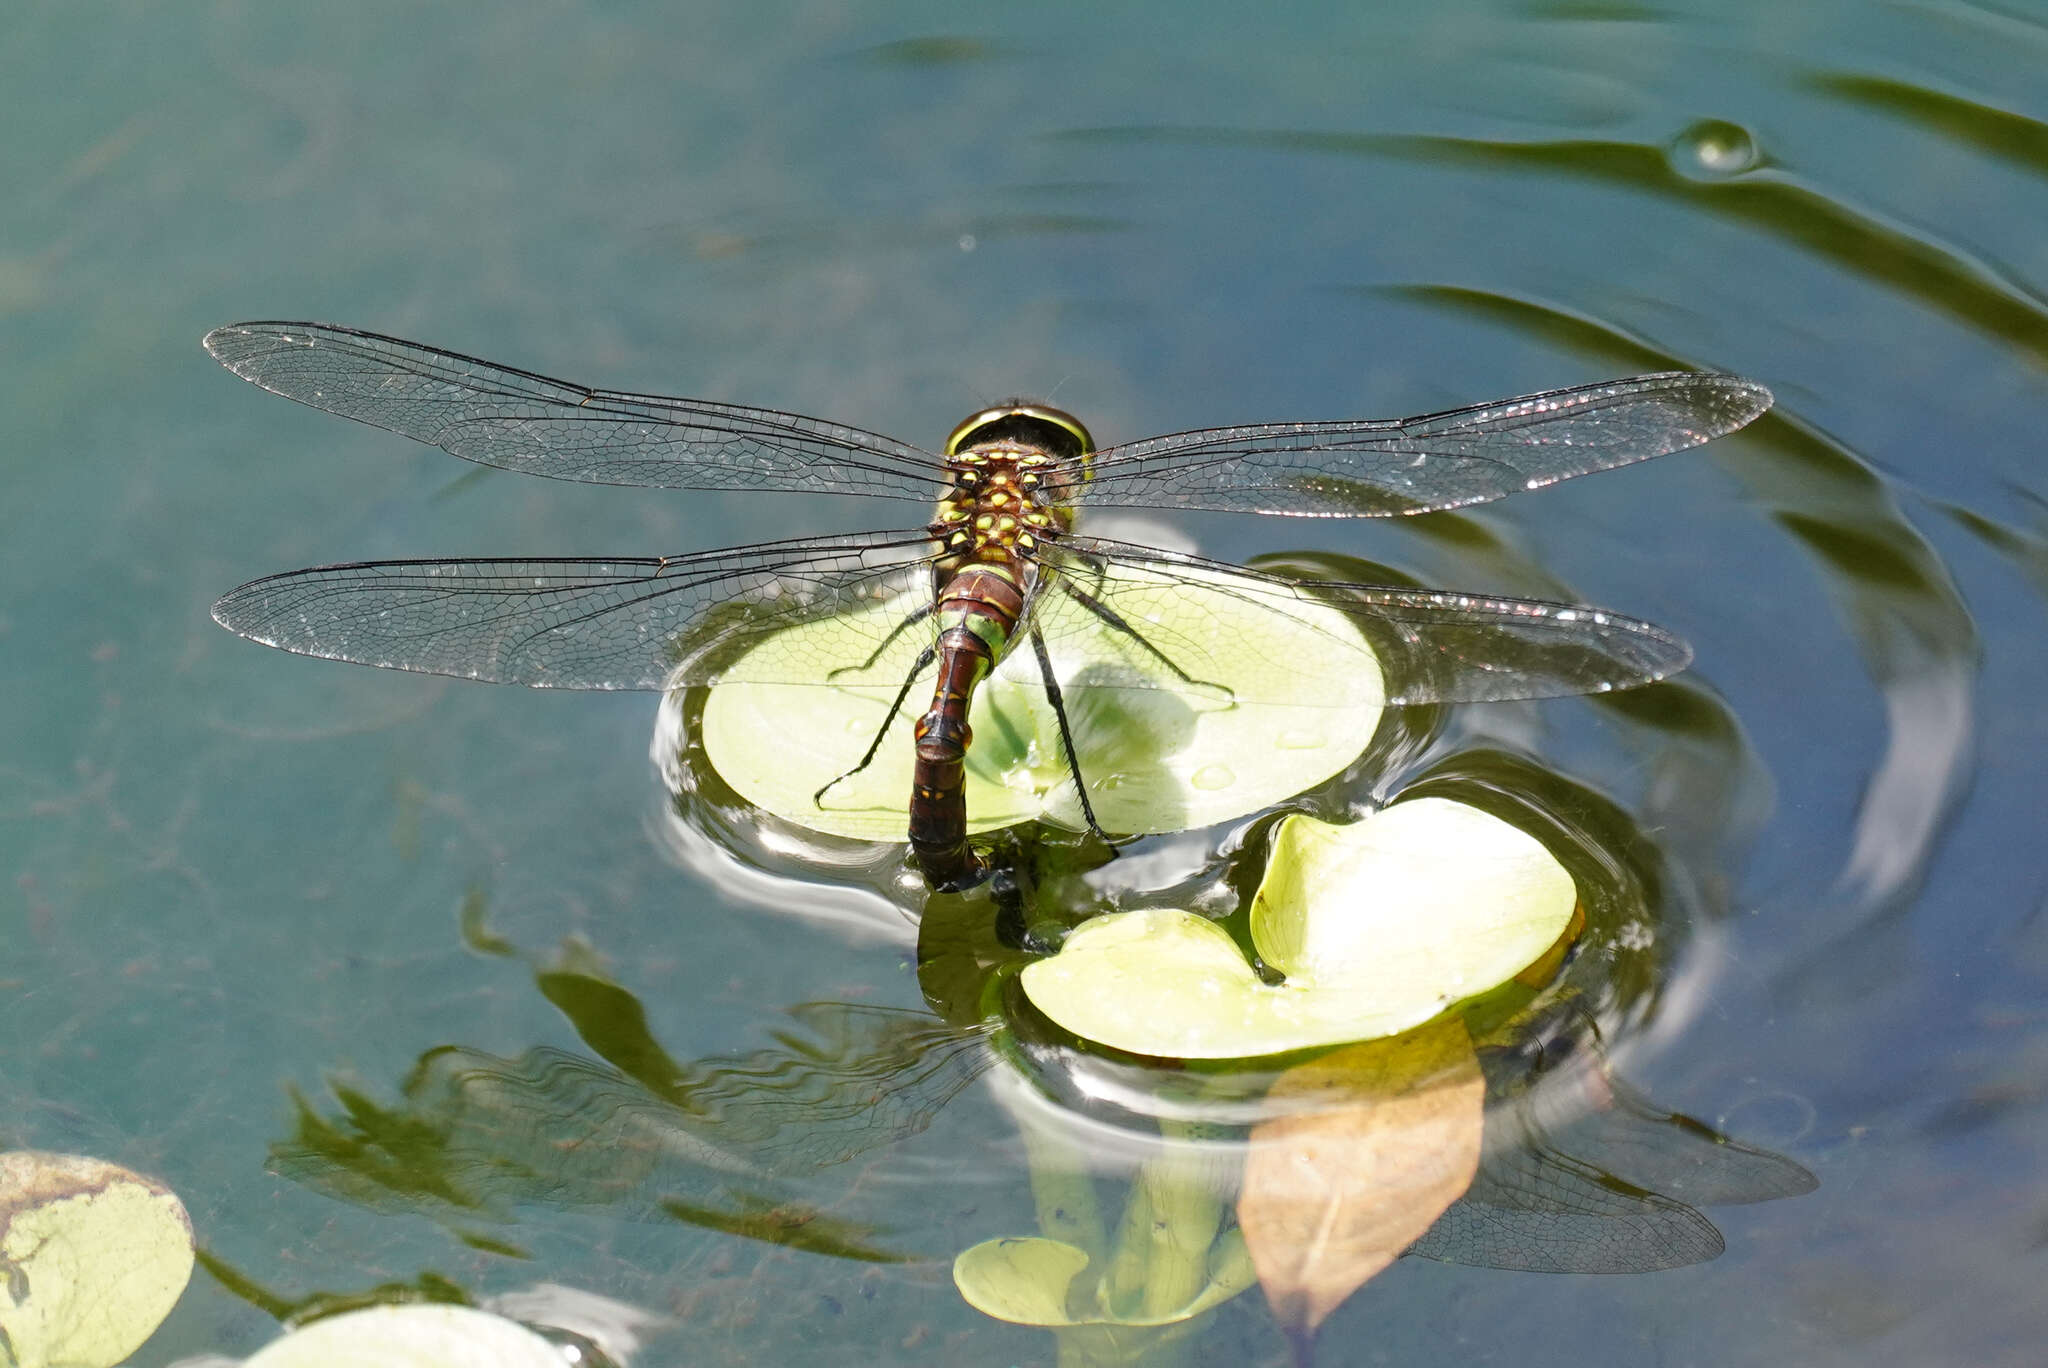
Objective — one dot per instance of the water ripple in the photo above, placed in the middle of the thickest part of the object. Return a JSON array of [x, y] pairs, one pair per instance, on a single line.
[[1768, 198]]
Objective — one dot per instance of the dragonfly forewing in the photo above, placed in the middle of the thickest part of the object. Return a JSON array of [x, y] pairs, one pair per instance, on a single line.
[[1382, 468], [516, 420]]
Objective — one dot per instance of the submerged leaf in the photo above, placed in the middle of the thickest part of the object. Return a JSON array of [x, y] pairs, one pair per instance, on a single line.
[[1161, 753], [1024, 1281], [1383, 1137], [1036, 1281], [1379, 926], [792, 1224], [92, 1258]]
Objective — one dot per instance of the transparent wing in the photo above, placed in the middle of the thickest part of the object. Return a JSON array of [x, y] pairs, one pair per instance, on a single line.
[[614, 624], [1590, 1176], [1674, 1154], [1379, 468], [516, 420], [480, 1135], [1176, 620], [1534, 1209], [1589, 1111]]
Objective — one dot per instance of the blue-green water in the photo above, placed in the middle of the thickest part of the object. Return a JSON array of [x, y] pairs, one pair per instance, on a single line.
[[236, 877]]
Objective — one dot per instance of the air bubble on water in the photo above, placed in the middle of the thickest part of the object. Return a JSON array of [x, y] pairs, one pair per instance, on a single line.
[[1714, 149]]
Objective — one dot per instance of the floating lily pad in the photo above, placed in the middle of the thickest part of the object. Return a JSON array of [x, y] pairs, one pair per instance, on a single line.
[[1378, 925], [1427, 893], [426, 1336], [1162, 754], [92, 1258]]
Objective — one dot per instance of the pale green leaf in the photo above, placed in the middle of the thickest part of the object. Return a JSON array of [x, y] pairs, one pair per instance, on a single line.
[[92, 1258], [1030, 1281], [1428, 897], [1380, 925], [1163, 756], [1023, 1281]]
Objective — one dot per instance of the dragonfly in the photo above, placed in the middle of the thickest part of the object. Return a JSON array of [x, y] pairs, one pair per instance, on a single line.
[[998, 563]]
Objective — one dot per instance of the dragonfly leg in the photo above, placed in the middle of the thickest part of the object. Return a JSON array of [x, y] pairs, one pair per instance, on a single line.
[[898, 630], [924, 659], [1116, 622], [1010, 888], [1059, 712]]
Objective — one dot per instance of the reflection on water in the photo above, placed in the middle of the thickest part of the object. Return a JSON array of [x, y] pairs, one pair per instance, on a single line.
[[475, 1137], [2002, 133], [1575, 1170], [1579, 1172], [1583, 1174]]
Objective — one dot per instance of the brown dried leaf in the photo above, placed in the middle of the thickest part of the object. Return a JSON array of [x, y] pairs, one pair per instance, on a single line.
[[1384, 1135]]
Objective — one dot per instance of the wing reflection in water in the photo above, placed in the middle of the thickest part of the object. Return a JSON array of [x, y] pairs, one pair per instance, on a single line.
[[1581, 1173], [477, 1136]]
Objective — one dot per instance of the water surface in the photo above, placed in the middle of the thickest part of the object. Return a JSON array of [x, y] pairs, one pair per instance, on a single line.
[[245, 888]]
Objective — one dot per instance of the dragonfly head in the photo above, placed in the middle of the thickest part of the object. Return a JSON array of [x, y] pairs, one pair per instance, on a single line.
[[1020, 420]]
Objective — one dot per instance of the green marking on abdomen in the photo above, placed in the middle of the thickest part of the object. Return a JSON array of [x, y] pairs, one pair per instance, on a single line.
[[991, 631]]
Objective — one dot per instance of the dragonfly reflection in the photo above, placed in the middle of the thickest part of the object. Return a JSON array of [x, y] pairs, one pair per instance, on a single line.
[[999, 564], [1611, 1188]]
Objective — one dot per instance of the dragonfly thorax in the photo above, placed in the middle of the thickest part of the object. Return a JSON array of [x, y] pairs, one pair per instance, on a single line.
[[1011, 467], [1000, 505]]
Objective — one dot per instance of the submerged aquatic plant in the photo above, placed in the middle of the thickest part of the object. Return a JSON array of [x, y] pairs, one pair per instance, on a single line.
[[1380, 928]]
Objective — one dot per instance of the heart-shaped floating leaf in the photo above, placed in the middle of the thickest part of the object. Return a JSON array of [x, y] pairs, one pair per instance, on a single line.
[[1379, 926], [1429, 894], [429, 1336], [92, 1258], [1163, 753]]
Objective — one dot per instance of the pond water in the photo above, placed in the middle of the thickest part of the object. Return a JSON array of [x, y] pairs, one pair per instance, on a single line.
[[265, 915]]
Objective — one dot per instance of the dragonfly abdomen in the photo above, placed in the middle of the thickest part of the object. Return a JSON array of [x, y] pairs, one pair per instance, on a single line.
[[978, 610]]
